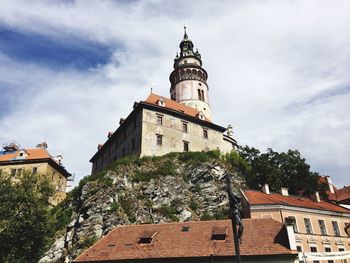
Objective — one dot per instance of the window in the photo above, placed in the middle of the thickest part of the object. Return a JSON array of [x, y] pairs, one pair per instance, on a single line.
[[293, 220], [186, 146], [218, 234], [205, 134], [200, 94], [299, 249], [13, 172], [322, 225], [342, 250], [314, 250], [159, 139], [328, 249], [336, 228], [184, 127], [159, 120], [308, 226], [35, 170]]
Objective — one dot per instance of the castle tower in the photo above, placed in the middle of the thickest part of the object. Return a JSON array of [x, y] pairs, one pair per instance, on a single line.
[[189, 80]]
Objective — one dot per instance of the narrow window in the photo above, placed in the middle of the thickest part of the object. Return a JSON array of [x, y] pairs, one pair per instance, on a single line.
[[328, 249], [184, 127], [322, 225], [159, 139], [308, 226], [299, 249], [159, 120], [336, 228], [342, 250], [314, 250], [35, 170], [205, 134], [293, 220], [186, 146], [199, 94], [19, 171]]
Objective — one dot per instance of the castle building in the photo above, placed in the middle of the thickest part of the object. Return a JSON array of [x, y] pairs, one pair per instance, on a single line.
[[159, 125], [321, 228], [15, 161]]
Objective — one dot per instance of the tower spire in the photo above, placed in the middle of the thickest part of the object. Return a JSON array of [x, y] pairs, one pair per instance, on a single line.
[[185, 33]]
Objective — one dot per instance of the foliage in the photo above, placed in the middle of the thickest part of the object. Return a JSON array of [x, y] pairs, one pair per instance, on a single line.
[[207, 216], [193, 204], [169, 212], [61, 214], [86, 242], [126, 203], [26, 223], [199, 157], [285, 169], [166, 168], [140, 176], [114, 206]]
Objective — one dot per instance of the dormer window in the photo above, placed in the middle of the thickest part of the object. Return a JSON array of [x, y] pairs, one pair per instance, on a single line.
[[161, 102], [218, 234], [201, 116], [147, 237]]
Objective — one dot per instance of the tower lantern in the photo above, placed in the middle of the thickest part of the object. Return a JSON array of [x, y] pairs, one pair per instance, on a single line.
[[188, 79]]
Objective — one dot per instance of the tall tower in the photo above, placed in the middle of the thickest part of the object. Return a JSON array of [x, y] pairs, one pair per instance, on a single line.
[[189, 80]]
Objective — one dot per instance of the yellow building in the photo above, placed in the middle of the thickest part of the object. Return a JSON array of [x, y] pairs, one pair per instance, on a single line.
[[321, 228], [15, 161]]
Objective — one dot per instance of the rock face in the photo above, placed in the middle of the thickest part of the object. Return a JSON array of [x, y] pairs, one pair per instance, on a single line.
[[150, 192]]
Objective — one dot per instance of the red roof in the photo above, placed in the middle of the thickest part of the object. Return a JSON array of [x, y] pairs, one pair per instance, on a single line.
[[339, 195], [170, 241], [173, 105], [32, 154], [260, 198]]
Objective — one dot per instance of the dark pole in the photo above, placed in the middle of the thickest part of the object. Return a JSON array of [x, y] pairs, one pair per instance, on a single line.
[[234, 201]]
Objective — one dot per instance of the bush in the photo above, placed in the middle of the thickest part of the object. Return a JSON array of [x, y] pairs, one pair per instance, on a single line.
[[144, 176], [207, 216], [127, 204], [166, 168], [193, 204], [169, 212], [114, 206], [86, 242]]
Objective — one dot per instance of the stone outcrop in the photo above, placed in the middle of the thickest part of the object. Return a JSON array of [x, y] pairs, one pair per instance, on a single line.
[[137, 193]]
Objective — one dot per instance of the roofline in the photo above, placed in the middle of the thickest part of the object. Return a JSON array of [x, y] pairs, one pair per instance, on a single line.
[[51, 162], [298, 208], [151, 106]]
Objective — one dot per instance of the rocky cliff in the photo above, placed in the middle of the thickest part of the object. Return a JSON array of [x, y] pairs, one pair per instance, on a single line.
[[175, 187]]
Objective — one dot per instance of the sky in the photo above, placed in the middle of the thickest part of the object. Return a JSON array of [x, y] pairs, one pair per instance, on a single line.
[[278, 72]]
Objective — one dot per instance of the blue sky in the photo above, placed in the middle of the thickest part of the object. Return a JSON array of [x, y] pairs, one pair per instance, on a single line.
[[278, 72]]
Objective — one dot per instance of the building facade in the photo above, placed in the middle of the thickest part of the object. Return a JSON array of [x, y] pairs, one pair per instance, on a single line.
[[15, 161], [320, 227], [200, 241], [158, 125]]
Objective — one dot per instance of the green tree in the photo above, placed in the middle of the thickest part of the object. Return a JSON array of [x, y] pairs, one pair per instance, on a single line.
[[25, 219], [285, 169]]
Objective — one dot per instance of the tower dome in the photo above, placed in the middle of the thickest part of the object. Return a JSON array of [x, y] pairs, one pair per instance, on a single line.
[[188, 79]]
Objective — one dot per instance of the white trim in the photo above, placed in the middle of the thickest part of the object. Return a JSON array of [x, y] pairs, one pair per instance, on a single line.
[[299, 209]]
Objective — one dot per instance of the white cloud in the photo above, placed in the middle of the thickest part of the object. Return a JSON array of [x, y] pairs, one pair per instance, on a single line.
[[278, 71]]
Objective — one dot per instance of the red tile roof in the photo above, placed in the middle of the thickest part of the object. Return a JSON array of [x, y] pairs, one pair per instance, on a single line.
[[339, 195], [170, 241], [173, 105], [36, 153], [260, 198]]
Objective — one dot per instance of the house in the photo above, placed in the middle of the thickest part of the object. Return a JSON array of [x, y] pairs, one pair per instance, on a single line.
[[264, 240], [159, 125], [320, 227], [15, 160]]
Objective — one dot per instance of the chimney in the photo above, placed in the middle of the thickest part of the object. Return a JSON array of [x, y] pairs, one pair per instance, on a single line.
[[289, 223], [109, 135], [266, 189], [330, 184], [99, 146], [121, 120], [284, 191], [42, 145], [316, 197], [229, 131]]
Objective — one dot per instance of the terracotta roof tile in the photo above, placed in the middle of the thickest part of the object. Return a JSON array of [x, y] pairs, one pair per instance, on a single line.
[[260, 198], [173, 105], [171, 242], [35, 153]]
